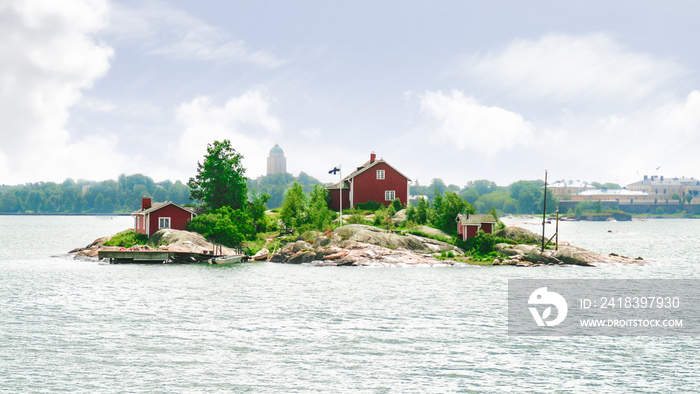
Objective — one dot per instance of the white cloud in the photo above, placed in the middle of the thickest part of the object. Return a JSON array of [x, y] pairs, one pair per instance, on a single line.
[[48, 58], [623, 147], [244, 120], [574, 69], [312, 134], [464, 122], [160, 29]]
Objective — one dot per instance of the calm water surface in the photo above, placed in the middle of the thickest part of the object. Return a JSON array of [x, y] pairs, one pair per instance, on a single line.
[[70, 325]]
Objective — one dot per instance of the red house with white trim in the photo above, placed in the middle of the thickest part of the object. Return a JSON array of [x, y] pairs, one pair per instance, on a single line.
[[469, 225], [160, 215], [376, 180]]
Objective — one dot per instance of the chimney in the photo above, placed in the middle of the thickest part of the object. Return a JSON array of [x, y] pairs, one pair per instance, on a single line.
[[145, 203], [662, 178], [372, 157], [646, 177]]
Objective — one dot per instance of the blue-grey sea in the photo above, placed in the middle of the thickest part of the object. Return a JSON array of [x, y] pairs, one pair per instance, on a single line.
[[84, 326]]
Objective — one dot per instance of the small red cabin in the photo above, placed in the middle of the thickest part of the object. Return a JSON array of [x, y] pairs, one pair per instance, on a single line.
[[160, 215], [375, 180], [469, 225]]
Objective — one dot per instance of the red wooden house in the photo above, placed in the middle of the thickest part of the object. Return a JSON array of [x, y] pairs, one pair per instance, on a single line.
[[375, 180], [160, 215], [469, 225]]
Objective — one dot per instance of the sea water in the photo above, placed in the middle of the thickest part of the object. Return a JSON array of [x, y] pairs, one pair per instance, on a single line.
[[68, 325]]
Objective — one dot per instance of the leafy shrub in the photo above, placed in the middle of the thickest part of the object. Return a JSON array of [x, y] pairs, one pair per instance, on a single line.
[[369, 206], [229, 227], [483, 243], [357, 217]]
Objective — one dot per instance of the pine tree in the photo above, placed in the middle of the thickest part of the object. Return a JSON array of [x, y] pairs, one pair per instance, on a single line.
[[220, 180]]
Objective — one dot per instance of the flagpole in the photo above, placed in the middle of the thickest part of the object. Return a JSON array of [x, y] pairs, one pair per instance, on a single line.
[[340, 192]]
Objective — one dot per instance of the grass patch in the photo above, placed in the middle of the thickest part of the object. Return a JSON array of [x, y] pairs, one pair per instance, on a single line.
[[449, 240], [127, 239]]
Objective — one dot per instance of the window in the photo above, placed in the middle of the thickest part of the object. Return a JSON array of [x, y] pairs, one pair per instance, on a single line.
[[381, 174], [389, 195], [163, 223]]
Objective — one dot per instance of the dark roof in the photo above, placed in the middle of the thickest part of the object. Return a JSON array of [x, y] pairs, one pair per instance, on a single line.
[[158, 205], [475, 219]]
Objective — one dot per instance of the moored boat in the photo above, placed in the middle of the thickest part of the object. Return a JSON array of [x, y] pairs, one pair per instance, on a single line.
[[227, 260]]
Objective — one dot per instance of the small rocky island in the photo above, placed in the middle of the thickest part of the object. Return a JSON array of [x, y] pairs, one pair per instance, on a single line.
[[363, 245]]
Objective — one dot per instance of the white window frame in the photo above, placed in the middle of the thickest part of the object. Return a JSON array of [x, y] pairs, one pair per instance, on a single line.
[[381, 174], [161, 221], [389, 195]]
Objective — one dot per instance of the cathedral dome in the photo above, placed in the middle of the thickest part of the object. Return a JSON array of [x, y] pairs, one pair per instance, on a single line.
[[276, 151]]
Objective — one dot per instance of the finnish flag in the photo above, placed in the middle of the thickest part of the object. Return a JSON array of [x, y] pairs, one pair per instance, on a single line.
[[334, 170]]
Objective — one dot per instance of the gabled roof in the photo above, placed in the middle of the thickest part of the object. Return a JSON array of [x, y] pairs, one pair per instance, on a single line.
[[475, 219], [159, 205], [369, 165], [336, 186]]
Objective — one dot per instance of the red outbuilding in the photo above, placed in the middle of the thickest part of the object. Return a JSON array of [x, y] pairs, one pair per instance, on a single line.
[[375, 180], [469, 225], [160, 215]]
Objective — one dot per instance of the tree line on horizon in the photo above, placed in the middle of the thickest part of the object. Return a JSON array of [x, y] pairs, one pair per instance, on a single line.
[[124, 194], [119, 196]]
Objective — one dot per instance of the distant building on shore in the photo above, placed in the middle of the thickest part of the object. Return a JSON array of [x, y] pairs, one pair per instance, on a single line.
[[276, 162], [570, 188], [660, 188], [651, 194]]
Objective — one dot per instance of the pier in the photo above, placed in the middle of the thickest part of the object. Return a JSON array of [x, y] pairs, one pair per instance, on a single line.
[[152, 256]]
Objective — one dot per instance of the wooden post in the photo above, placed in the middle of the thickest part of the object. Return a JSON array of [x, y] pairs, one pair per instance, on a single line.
[[557, 230], [544, 208]]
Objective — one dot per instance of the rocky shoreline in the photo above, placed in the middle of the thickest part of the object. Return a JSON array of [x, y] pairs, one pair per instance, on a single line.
[[167, 240], [360, 245]]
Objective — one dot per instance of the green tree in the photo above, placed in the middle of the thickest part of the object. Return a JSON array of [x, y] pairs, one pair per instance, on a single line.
[[256, 211], [437, 186], [9, 202], [422, 211], [320, 217], [528, 197], [220, 180], [470, 195], [552, 201], [483, 186], [447, 208], [294, 210], [396, 203], [499, 200]]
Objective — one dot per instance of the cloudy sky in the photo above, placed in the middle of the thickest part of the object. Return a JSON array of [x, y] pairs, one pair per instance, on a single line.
[[459, 90]]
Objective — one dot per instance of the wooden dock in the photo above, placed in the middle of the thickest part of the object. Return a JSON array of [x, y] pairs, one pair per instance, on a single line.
[[152, 256]]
